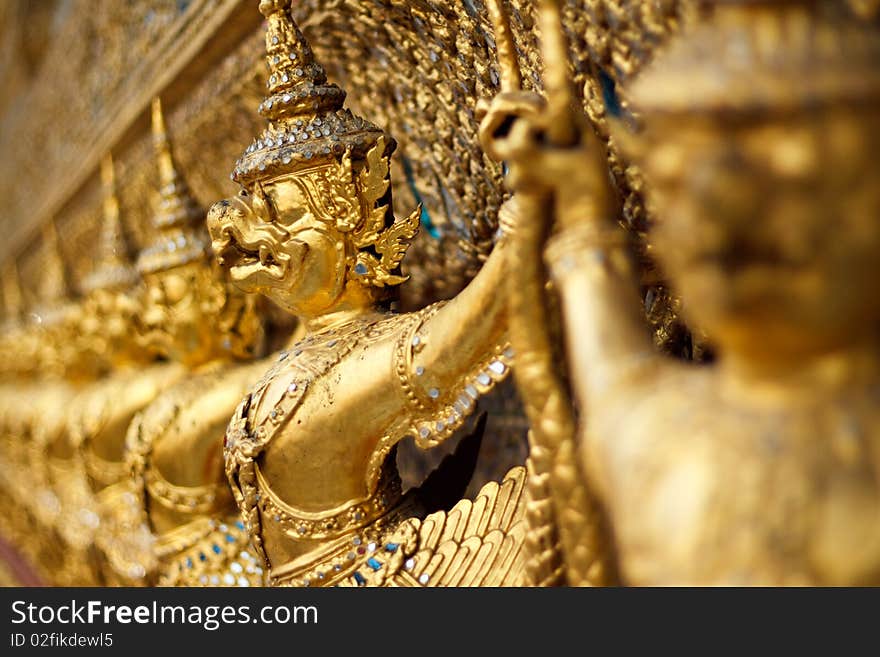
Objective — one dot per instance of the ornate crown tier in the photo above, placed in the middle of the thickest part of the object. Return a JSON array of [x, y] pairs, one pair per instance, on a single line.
[[307, 121], [180, 236]]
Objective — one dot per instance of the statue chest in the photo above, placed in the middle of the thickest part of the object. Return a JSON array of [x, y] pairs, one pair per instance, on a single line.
[[314, 388], [295, 451], [724, 495]]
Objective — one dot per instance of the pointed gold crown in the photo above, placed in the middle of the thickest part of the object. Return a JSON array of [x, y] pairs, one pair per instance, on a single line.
[[310, 131], [13, 303], [763, 56], [114, 270], [179, 223], [307, 122]]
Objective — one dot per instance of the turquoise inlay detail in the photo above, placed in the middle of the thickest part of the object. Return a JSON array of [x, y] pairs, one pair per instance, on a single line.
[[424, 217], [425, 220], [609, 94]]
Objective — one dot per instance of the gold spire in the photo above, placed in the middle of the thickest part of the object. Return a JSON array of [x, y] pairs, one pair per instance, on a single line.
[[307, 122], [114, 269], [13, 304], [53, 284], [179, 223]]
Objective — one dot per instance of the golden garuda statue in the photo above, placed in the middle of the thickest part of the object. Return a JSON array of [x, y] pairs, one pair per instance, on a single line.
[[759, 468], [170, 450], [35, 416], [105, 327], [310, 451], [665, 211]]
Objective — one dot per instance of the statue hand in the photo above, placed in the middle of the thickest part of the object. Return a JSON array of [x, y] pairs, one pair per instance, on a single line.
[[576, 175], [509, 215], [498, 115]]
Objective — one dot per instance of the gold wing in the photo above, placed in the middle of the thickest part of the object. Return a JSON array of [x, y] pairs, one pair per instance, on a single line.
[[374, 178], [476, 543]]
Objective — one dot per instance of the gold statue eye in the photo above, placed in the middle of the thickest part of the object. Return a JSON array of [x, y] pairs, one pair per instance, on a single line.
[[793, 155], [156, 293], [175, 289], [667, 162], [263, 202]]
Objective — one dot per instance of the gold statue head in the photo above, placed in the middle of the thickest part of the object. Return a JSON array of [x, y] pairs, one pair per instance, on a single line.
[[312, 227], [55, 317], [110, 308], [190, 313], [759, 149]]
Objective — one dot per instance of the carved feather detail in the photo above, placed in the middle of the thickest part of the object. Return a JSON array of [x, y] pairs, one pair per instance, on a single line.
[[476, 543], [391, 242]]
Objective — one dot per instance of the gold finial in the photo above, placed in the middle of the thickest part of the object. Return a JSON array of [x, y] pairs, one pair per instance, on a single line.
[[114, 269], [178, 220], [307, 121], [53, 285], [762, 56], [297, 83], [13, 303], [176, 205]]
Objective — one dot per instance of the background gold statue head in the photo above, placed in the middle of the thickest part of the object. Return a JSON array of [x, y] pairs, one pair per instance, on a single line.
[[55, 318], [313, 223], [760, 134], [110, 304], [190, 312]]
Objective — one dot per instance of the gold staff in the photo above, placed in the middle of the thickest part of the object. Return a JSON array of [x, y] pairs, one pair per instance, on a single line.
[[563, 519]]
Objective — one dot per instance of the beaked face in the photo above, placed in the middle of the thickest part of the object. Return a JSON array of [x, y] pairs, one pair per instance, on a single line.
[[179, 311], [769, 231], [107, 323], [272, 242]]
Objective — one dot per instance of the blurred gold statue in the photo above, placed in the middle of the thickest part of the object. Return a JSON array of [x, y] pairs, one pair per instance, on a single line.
[[194, 320], [106, 323], [32, 405], [759, 150], [39, 411], [310, 451]]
